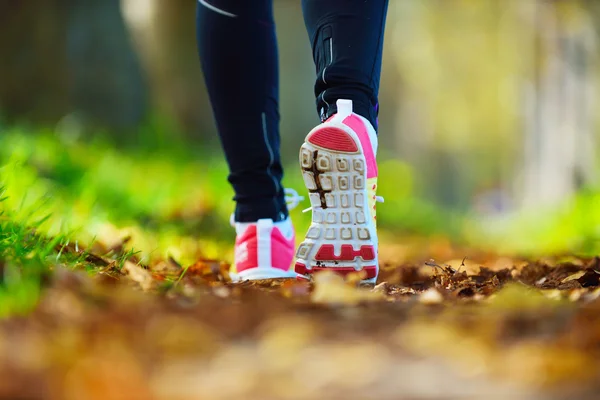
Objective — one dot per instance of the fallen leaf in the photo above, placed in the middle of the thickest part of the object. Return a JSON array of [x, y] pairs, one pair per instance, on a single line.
[[295, 288], [381, 288], [589, 278], [331, 288], [573, 277], [139, 275], [431, 296]]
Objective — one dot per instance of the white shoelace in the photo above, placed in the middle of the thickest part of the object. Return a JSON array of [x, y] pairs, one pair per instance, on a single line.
[[292, 198]]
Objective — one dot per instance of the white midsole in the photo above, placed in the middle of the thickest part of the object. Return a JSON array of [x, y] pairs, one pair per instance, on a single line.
[[262, 273]]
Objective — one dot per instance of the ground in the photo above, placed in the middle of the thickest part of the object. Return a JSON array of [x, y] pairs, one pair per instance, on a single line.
[[95, 318], [518, 329]]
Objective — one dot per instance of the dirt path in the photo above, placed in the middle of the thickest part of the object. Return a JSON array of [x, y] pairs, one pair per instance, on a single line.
[[515, 329]]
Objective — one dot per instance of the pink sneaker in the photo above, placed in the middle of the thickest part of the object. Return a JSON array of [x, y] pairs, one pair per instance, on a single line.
[[338, 161], [263, 249]]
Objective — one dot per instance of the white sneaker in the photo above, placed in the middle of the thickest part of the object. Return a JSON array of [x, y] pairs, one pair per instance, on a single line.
[[338, 162], [264, 249]]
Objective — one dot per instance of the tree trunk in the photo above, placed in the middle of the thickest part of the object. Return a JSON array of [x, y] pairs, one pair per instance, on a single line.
[[33, 73], [106, 84], [559, 143], [72, 56], [165, 37]]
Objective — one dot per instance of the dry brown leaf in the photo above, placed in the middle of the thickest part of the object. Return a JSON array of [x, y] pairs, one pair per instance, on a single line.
[[139, 275], [381, 288], [330, 288], [574, 276], [113, 342], [291, 288], [108, 372], [542, 364], [463, 264], [431, 296]]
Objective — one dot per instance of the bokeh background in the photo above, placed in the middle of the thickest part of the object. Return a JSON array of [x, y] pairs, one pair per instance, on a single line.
[[488, 121]]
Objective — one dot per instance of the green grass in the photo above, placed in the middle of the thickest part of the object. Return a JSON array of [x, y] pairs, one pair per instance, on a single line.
[[571, 227], [26, 257], [93, 190]]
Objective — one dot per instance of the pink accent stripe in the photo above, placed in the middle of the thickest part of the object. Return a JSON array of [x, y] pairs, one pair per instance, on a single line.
[[333, 139], [251, 257], [282, 250], [300, 268], [358, 126], [327, 252]]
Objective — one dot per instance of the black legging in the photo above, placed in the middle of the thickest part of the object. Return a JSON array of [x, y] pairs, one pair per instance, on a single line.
[[238, 52]]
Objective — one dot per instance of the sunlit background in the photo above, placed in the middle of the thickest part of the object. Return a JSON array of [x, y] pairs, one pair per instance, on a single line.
[[488, 123], [114, 209]]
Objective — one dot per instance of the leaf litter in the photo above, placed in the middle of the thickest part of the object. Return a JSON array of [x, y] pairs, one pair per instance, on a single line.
[[492, 328]]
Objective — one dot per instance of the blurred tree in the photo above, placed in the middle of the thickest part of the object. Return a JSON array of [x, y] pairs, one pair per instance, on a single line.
[[457, 118], [33, 71], [165, 37], [559, 143], [502, 90], [106, 84], [63, 56]]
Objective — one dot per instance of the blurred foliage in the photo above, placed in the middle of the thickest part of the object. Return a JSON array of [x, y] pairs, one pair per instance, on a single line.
[[476, 95], [90, 187], [571, 227]]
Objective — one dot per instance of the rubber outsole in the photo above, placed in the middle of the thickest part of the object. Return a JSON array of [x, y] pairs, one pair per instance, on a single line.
[[341, 237]]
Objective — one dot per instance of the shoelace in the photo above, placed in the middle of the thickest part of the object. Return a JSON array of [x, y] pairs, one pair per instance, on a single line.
[[292, 199], [378, 199]]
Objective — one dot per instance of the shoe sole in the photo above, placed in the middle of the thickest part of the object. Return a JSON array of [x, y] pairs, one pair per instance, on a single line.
[[254, 274], [342, 237]]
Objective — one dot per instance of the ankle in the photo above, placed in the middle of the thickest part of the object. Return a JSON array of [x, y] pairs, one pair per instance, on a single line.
[[275, 210]]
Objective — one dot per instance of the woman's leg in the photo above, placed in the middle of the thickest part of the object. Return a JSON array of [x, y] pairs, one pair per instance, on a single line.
[[338, 158], [347, 42], [238, 52]]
